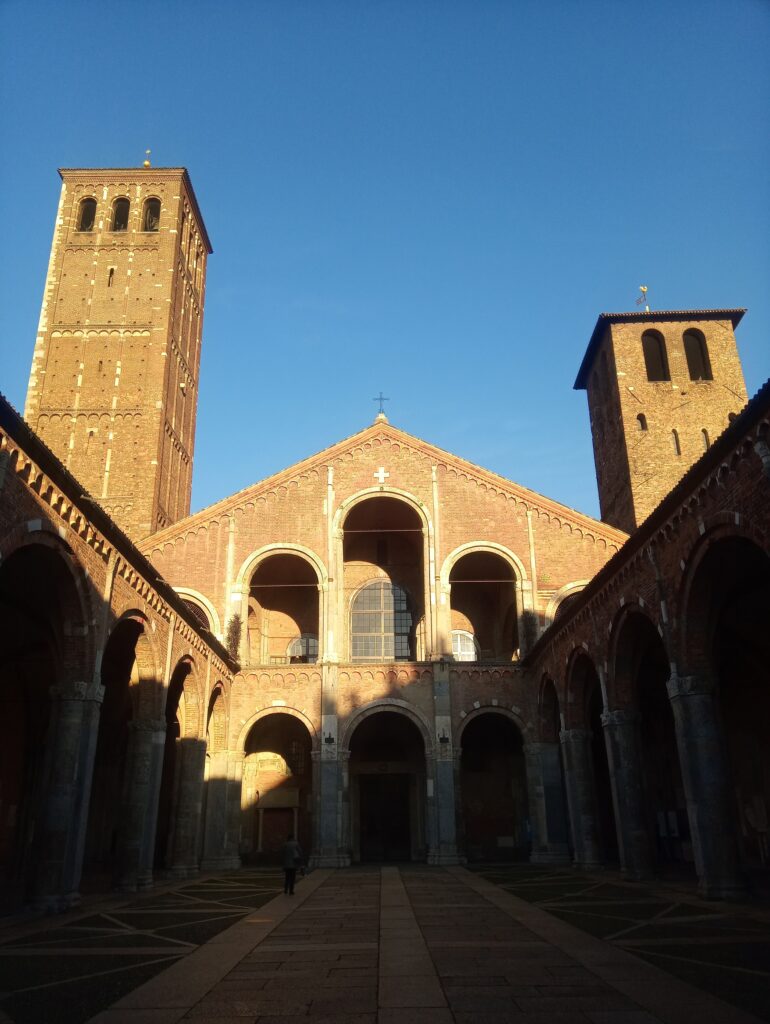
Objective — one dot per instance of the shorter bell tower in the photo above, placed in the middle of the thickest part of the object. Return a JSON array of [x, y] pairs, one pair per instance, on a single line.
[[662, 386], [113, 389]]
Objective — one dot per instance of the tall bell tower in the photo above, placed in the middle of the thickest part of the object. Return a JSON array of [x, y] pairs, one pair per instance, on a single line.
[[662, 386], [113, 389]]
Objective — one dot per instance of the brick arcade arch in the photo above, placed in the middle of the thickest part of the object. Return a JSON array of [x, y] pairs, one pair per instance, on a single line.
[[387, 787], [284, 611], [42, 611], [132, 693], [726, 618], [493, 788], [277, 786], [640, 669]]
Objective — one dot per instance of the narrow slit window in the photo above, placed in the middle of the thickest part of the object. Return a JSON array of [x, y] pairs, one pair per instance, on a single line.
[[704, 434], [697, 355], [151, 215], [110, 276], [641, 419], [86, 215], [655, 358], [120, 210], [675, 442]]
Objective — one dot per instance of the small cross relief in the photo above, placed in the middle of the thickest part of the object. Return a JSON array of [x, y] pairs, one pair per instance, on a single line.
[[381, 475]]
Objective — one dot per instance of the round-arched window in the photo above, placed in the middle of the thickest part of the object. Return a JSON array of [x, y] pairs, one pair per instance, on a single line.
[[120, 210], [303, 649], [381, 623], [151, 215], [464, 646], [86, 214]]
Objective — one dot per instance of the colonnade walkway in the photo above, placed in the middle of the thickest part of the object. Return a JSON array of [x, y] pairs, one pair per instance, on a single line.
[[390, 945]]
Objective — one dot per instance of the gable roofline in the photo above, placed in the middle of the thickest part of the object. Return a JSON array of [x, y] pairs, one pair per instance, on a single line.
[[106, 173], [378, 428], [658, 316]]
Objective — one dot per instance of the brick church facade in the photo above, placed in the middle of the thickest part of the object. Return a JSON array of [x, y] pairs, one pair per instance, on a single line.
[[385, 649]]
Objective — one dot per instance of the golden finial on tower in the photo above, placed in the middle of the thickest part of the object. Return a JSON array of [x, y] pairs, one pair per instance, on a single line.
[[147, 160], [642, 300]]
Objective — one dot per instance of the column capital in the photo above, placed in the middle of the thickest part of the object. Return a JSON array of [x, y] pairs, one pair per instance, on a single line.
[[575, 735], [689, 686], [70, 691], [155, 725], [619, 718]]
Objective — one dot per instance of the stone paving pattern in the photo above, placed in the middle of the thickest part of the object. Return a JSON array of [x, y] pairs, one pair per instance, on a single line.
[[391, 945], [721, 948]]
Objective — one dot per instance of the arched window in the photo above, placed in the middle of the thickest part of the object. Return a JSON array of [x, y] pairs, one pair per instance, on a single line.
[[675, 442], [464, 646], [641, 419], [86, 215], [120, 209], [704, 434], [304, 649], [697, 354], [381, 623], [655, 359], [151, 215]]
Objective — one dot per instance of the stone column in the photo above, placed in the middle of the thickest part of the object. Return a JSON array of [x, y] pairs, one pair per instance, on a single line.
[[191, 754], [58, 871], [581, 797], [441, 802], [232, 845], [621, 733], [705, 776], [215, 826], [547, 811], [330, 783], [136, 836]]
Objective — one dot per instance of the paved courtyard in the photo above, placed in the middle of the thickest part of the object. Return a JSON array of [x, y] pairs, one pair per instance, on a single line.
[[380, 946]]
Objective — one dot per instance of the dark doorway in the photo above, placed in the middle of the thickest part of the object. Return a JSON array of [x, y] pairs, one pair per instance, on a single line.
[[384, 817], [387, 767]]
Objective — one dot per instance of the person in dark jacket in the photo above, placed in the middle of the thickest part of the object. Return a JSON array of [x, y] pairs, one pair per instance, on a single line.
[[292, 859]]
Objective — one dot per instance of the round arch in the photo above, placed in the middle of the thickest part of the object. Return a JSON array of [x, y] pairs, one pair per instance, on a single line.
[[490, 547], [722, 527], [490, 709], [393, 704], [575, 690], [618, 627], [568, 590], [549, 713], [252, 561], [243, 735], [190, 698], [205, 605], [346, 506]]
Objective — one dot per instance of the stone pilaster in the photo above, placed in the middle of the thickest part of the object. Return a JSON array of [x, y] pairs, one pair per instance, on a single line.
[[441, 800], [705, 778], [621, 733], [547, 810], [581, 797]]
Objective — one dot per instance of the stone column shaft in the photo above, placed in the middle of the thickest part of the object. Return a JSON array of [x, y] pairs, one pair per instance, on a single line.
[[705, 778], [581, 797], [621, 733], [547, 810], [136, 835], [191, 755]]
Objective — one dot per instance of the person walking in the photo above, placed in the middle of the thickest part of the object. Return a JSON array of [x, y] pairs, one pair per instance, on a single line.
[[292, 859]]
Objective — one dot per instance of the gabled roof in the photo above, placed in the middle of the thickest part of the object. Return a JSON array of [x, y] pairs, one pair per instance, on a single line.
[[380, 428], [656, 317]]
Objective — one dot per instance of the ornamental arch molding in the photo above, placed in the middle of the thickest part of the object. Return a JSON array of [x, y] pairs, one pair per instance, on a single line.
[[567, 591], [243, 735], [206, 606], [393, 704], [489, 547], [348, 504], [252, 562], [495, 709]]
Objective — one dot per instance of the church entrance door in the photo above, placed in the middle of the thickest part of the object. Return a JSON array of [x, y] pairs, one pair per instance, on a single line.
[[387, 768]]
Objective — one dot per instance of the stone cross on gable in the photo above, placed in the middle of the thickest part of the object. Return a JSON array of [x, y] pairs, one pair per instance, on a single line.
[[381, 475]]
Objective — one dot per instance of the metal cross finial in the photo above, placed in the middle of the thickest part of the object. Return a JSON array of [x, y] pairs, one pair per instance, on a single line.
[[381, 399]]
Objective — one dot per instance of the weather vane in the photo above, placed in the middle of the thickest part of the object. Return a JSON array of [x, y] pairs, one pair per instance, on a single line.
[[147, 157], [643, 298], [381, 399]]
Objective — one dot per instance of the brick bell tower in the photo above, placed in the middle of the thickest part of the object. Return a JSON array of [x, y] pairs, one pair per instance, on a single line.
[[113, 388], [661, 387]]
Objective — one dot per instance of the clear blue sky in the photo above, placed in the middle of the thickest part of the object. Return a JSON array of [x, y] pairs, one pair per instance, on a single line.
[[435, 199]]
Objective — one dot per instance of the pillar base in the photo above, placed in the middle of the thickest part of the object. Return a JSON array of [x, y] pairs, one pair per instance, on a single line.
[[445, 858], [329, 860], [730, 890], [588, 865], [231, 862], [550, 857]]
